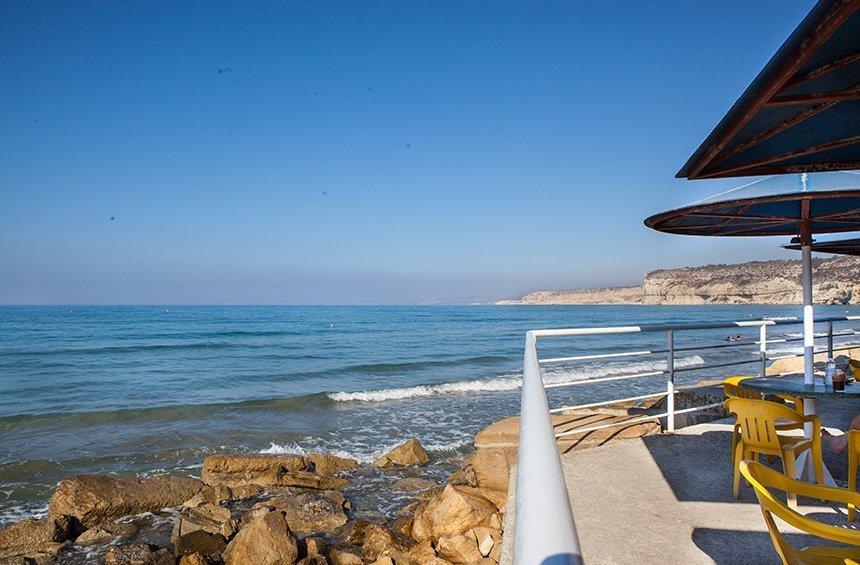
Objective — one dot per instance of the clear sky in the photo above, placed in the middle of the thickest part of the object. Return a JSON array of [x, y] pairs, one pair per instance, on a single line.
[[358, 152]]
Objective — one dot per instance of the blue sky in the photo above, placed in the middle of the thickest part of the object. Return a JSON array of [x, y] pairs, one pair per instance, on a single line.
[[325, 153]]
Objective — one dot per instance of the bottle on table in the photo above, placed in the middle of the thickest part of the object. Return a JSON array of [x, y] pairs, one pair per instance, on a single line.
[[829, 371]]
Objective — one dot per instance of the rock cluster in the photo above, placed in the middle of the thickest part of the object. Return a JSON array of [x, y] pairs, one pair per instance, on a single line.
[[296, 514]]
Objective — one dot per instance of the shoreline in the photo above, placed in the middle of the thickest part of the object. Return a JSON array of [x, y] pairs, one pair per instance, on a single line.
[[312, 490], [307, 501]]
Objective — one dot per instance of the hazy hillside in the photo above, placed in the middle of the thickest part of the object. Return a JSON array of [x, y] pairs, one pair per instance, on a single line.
[[835, 281]]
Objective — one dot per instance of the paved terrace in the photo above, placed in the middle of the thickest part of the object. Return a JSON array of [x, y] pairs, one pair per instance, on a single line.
[[667, 498]]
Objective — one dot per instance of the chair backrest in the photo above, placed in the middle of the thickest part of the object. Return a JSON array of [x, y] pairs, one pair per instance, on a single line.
[[758, 421], [854, 365], [854, 444], [732, 388], [769, 505], [763, 478]]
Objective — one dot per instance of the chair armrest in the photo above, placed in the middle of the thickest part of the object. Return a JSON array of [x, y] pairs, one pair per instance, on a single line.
[[798, 402], [812, 490], [812, 419]]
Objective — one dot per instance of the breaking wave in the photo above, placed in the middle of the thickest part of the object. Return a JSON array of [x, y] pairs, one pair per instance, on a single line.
[[483, 385], [509, 382], [278, 449]]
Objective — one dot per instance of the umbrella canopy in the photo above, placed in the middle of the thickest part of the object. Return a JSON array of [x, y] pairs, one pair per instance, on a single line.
[[801, 112], [822, 203], [833, 206], [837, 247]]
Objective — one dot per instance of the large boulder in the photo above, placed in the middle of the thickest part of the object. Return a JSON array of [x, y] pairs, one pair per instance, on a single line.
[[327, 464], [315, 546], [492, 467], [265, 540], [497, 497], [259, 469], [310, 512], [449, 513], [35, 539], [465, 476], [222, 493], [458, 549], [207, 517], [92, 499], [203, 529], [423, 554], [379, 542], [489, 539], [352, 533], [409, 452], [265, 470], [137, 554], [199, 542]]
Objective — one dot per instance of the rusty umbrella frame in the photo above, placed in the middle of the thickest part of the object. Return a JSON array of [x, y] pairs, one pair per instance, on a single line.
[[769, 89]]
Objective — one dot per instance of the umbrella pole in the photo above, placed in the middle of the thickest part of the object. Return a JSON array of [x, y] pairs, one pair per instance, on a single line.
[[808, 317], [806, 280]]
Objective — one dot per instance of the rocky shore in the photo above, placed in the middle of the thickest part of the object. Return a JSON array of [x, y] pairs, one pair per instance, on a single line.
[[266, 509], [292, 508]]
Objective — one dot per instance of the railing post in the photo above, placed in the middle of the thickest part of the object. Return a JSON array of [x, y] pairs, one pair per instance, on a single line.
[[830, 340], [670, 381], [762, 348]]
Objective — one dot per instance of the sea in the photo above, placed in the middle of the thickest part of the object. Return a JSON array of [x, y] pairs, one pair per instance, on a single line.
[[149, 390]]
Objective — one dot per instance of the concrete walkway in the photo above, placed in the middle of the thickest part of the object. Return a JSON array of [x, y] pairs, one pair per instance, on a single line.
[[667, 498]]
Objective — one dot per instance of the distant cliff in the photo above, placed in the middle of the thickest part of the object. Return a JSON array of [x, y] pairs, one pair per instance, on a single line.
[[835, 281]]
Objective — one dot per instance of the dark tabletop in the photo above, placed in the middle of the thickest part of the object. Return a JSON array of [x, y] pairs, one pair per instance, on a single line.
[[795, 386]]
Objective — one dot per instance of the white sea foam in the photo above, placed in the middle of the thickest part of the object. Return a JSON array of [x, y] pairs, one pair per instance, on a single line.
[[277, 449], [296, 449], [447, 446], [800, 334], [483, 385], [22, 511], [507, 382], [785, 350]]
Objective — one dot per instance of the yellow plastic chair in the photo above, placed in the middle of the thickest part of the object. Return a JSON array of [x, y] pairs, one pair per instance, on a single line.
[[758, 424], [853, 460], [763, 478], [732, 389], [854, 364]]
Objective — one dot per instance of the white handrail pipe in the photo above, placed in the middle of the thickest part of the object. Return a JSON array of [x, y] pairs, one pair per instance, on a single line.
[[545, 531]]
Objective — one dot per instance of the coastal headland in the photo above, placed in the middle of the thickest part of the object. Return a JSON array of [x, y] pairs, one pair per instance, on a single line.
[[835, 281]]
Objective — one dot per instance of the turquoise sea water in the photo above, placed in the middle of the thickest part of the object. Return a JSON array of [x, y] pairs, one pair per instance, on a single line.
[[147, 389]]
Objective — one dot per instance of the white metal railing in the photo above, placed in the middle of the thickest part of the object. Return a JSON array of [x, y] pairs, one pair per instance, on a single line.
[[545, 531]]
